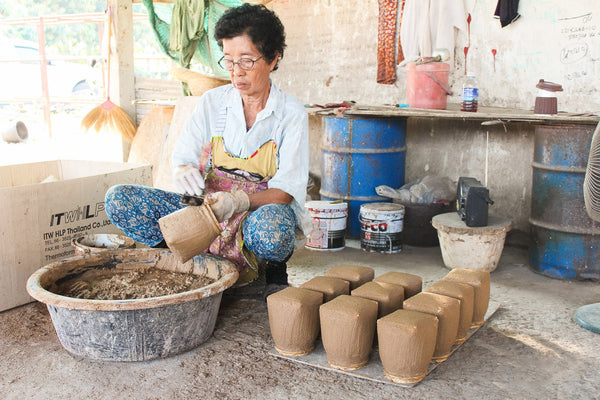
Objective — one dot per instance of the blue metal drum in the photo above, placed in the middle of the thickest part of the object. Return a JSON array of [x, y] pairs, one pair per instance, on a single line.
[[566, 242], [359, 154]]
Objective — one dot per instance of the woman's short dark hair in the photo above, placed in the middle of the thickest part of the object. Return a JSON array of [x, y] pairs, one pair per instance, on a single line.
[[262, 25]]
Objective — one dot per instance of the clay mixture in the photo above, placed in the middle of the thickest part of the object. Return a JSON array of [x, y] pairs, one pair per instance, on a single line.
[[133, 285]]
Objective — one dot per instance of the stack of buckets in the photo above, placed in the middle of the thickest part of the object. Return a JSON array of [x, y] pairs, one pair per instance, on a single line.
[[359, 154]]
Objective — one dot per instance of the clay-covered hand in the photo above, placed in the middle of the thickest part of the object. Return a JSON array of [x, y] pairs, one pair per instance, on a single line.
[[225, 204], [188, 179]]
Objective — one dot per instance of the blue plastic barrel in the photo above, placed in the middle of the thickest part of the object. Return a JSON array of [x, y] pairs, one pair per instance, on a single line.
[[566, 242], [359, 154]]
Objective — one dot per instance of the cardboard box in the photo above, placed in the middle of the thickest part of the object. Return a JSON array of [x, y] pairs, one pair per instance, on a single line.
[[44, 205]]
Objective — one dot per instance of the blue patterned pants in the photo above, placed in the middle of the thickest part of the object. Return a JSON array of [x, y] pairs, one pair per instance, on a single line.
[[268, 232]]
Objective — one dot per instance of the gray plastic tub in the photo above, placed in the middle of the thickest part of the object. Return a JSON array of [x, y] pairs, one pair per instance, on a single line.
[[136, 329]]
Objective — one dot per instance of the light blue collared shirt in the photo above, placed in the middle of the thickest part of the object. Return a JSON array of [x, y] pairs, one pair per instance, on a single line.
[[284, 120]]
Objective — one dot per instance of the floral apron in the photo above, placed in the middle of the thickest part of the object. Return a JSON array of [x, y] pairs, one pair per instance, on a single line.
[[229, 173]]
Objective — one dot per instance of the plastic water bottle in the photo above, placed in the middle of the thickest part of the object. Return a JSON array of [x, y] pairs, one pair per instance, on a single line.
[[470, 94]]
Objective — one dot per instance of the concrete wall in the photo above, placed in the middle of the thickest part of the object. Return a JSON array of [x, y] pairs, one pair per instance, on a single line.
[[454, 149], [331, 57], [332, 49]]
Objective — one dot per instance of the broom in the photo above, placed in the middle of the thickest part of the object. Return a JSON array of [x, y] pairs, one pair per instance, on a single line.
[[108, 114]]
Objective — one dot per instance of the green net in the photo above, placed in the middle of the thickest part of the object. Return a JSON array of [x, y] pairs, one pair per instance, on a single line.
[[185, 31]]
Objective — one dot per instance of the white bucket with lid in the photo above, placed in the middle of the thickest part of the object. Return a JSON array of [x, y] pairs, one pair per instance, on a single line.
[[381, 227], [328, 225]]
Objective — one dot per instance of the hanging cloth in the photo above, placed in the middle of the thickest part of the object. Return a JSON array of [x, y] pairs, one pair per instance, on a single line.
[[193, 37], [507, 11], [187, 26], [428, 25]]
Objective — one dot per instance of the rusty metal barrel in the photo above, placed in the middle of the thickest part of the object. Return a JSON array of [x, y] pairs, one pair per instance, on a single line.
[[359, 154], [566, 242]]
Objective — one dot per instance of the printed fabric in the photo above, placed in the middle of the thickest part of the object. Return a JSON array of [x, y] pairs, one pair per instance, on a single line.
[[136, 209]]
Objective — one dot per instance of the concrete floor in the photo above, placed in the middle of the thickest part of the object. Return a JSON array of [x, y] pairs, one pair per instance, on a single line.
[[529, 349]]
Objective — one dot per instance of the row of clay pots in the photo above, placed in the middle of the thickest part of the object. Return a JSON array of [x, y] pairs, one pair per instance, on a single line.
[[430, 323], [425, 330], [344, 306]]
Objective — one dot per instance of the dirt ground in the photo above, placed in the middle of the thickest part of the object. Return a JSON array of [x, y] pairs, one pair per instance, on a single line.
[[530, 349]]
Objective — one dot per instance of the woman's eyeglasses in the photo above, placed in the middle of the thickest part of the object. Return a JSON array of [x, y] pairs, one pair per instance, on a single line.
[[244, 63]]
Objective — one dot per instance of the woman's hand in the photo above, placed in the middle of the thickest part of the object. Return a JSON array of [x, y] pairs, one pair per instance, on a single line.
[[188, 179], [225, 204]]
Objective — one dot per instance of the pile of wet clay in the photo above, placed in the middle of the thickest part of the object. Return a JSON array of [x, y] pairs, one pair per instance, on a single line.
[[126, 285]]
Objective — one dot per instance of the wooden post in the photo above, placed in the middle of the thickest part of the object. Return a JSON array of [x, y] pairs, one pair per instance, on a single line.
[[44, 72], [122, 68]]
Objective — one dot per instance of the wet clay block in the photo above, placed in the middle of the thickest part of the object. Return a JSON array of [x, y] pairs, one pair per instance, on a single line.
[[355, 274], [347, 330], [480, 280], [466, 295], [406, 344], [389, 298], [412, 284], [447, 310], [329, 286], [294, 320]]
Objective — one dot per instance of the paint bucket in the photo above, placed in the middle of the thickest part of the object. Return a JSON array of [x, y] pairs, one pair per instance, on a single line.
[[381, 227], [418, 230], [566, 241], [427, 85], [359, 154], [328, 225], [468, 247], [16, 133]]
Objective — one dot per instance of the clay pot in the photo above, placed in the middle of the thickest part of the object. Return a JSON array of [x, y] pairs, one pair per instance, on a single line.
[[466, 295], [294, 320], [347, 330], [406, 345], [355, 274], [480, 280], [389, 298], [330, 287], [95, 242], [447, 310], [190, 231], [412, 284]]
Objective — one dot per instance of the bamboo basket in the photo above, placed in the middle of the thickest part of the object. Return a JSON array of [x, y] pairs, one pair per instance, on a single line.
[[197, 82]]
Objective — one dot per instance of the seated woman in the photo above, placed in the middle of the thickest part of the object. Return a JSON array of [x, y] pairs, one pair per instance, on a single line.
[[257, 138]]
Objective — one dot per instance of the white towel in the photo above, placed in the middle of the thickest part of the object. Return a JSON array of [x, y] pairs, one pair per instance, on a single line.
[[428, 25]]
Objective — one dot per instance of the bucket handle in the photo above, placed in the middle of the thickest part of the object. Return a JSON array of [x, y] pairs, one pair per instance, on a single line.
[[442, 85]]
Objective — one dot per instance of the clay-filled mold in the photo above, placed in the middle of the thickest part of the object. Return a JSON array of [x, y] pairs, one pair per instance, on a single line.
[[294, 320], [389, 298], [412, 284], [447, 310], [465, 294], [406, 345], [480, 280], [347, 330], [329, 286], [357, 275]]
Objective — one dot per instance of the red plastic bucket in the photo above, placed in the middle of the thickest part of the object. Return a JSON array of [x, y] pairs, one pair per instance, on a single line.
[[427, 85]]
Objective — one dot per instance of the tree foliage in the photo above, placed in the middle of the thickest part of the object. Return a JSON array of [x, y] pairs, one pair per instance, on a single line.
[[71, 39]]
